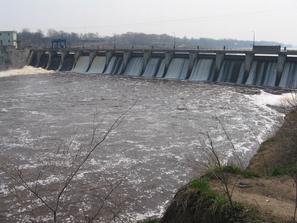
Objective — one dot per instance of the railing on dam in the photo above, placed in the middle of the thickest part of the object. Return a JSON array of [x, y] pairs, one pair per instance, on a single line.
[[261, 67]]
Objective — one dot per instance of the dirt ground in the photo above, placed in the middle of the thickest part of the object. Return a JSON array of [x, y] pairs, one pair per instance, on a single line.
[[274, 197]]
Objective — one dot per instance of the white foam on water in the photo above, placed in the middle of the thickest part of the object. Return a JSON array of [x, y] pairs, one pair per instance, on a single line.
[[27, 70], [4, 190], [265, 98], [151, 213], [274, 119]]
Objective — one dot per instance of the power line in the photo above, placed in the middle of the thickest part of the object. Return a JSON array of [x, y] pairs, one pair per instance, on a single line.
[[166, 21]]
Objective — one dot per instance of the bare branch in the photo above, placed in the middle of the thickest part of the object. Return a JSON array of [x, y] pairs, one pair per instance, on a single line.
[[25, 185], [19, 178], [231, 142], [107, 196], [114, 125]]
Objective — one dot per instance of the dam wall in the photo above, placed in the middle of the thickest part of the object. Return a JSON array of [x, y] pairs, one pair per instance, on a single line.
[[263, 67], [13, 58]]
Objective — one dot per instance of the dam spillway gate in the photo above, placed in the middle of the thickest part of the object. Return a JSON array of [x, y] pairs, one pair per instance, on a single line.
[[262, 68]]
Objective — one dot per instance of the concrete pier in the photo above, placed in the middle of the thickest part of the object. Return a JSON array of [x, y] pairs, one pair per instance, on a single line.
[[192, 58], [146, 56], [126, 57], [281, 61]]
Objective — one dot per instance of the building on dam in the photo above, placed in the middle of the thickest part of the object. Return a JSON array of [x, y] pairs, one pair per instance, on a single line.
[[8, 39]]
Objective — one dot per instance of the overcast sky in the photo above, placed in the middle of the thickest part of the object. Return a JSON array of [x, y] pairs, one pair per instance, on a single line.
[[274, 20]]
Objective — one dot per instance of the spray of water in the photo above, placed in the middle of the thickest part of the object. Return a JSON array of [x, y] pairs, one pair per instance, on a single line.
[[27, 70]]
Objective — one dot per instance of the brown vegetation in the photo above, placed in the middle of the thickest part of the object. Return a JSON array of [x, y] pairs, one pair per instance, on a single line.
[[279, 150]]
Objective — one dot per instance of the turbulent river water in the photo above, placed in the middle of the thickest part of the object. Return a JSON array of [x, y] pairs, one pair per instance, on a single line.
[[47, 121]]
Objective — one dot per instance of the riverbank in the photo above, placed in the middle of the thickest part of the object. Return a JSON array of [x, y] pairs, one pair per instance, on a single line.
[[278, 151], [264, 192]]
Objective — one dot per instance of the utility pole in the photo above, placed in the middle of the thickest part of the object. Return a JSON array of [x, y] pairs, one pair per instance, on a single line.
[[114, 41], [254, 38], [133, 42], [174, 41]]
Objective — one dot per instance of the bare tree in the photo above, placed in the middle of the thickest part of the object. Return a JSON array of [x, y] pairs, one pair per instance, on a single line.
[[237, 159], [214, 163], [78, 160]]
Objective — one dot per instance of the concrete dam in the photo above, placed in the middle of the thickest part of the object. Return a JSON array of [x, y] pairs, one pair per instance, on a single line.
[[153, 151], [261, 66]]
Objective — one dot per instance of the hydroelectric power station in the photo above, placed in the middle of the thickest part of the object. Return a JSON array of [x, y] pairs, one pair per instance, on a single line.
[[263, 66]]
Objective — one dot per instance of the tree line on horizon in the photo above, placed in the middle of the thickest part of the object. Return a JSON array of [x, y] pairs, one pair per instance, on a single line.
[[39, 39]]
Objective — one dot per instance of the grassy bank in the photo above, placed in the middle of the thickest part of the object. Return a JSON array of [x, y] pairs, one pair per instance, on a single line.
[[263, 193]]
